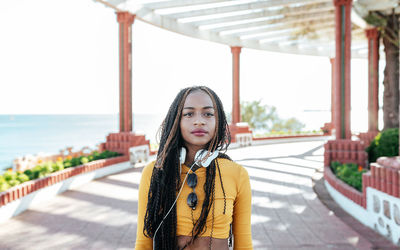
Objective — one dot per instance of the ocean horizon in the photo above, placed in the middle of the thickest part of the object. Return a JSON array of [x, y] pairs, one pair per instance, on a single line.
[[22, 135]]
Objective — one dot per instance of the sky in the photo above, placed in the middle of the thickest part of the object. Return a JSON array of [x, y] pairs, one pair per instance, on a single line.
[[61, 57]]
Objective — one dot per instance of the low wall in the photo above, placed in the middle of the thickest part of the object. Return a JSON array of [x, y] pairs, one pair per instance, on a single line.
[[285, 137], [19, 198], [351, 193], [378, 206], [345, 151], [367, 137]]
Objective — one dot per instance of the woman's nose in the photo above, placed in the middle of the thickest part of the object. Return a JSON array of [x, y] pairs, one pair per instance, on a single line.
[[199, 120]]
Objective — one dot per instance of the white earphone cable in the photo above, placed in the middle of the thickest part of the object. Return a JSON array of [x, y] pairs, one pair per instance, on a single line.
[[172, 204]]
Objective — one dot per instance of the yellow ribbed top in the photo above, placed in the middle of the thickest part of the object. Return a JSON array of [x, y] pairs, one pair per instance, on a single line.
[[236, 184]]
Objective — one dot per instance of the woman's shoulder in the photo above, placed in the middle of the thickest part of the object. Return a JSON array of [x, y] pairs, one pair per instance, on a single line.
[[231, 166], [148, 169]]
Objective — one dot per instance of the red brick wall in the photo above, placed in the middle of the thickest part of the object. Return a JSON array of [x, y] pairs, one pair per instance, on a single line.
[[122, 141], [345, 151], [28, 187], [346, 190], [367, 137], [385, 179]]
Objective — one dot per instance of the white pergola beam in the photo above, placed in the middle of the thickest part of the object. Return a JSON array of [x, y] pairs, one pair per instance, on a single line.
[[291, 36], [180, 3], [265, 13], [278, 26], [290, 32], [300, 18], [252, 6], [245, 23]]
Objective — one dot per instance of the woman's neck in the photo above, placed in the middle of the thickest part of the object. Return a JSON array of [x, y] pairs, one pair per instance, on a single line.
[[191, 153]]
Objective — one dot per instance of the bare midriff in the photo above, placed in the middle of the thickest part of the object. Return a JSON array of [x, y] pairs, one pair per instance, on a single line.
[[202, 243]]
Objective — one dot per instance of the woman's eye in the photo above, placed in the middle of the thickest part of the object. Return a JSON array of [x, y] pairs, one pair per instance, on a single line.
[[188, 114], [209, 114]]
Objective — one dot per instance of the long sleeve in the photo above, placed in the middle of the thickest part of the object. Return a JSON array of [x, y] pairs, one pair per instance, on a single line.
[[142, 242], [242, 213]]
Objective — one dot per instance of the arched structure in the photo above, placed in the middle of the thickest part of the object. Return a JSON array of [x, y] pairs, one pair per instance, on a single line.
[[330, 28]]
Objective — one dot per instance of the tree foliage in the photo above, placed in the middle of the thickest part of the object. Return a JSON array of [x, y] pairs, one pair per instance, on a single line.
[[258, 116], [265, 117], [291, 124]]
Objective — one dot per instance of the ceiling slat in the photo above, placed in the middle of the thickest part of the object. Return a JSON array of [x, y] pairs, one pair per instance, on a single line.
[[253, 6], [293, 19], [263, 12]]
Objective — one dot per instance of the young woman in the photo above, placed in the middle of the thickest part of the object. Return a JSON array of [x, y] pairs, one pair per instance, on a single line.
[[194, 196]]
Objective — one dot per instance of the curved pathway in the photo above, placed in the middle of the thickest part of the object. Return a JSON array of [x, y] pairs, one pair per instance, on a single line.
[[286, 213]]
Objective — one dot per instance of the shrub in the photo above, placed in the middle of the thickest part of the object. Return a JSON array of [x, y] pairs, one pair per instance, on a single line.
[[75, 162], [10, 175], [386, 143], [349, 173], [22, 177], [13, 183], [47, 168], [59, 165], [3, 184], [29, 173], [11, 178], [96, 155], [67, 164], [84, 160]]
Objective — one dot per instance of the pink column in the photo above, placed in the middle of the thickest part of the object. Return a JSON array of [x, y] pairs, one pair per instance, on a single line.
[[235, 86], [373, 78], [332, 91], [125, 20], [342, 68]]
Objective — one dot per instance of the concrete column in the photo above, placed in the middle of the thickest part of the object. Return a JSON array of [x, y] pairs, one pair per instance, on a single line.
[[373, 78], [342, 68], [125, 20], [235, 84]]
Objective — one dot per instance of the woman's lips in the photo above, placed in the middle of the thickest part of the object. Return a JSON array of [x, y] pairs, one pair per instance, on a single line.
[[199, 132]]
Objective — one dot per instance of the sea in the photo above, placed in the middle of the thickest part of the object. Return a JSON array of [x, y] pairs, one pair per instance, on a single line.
[[22, 135]]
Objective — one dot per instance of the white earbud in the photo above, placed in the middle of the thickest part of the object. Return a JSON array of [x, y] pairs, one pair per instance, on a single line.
[[182, 156]]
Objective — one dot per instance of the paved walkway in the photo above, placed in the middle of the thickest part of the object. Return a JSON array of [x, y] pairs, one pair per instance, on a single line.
[[287, 213]]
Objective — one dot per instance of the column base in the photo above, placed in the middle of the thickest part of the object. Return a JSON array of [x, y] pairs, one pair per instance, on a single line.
[[241, 133], [122, 141]]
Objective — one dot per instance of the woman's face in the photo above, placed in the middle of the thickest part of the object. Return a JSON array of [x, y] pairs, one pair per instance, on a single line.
[[198, 120]]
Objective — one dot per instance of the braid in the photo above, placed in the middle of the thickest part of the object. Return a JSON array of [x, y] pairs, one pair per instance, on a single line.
[[200, 225], [222, 186], [209, 187]]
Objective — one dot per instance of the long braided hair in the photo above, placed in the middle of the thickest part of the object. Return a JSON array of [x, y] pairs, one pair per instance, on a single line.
[[165, 180]]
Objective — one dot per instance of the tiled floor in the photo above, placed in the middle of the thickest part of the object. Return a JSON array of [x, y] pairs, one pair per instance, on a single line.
[[286, 213]]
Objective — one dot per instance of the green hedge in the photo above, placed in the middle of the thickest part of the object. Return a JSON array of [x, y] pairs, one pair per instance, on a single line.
[[11, 178], [349, 173], [386, 143]]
